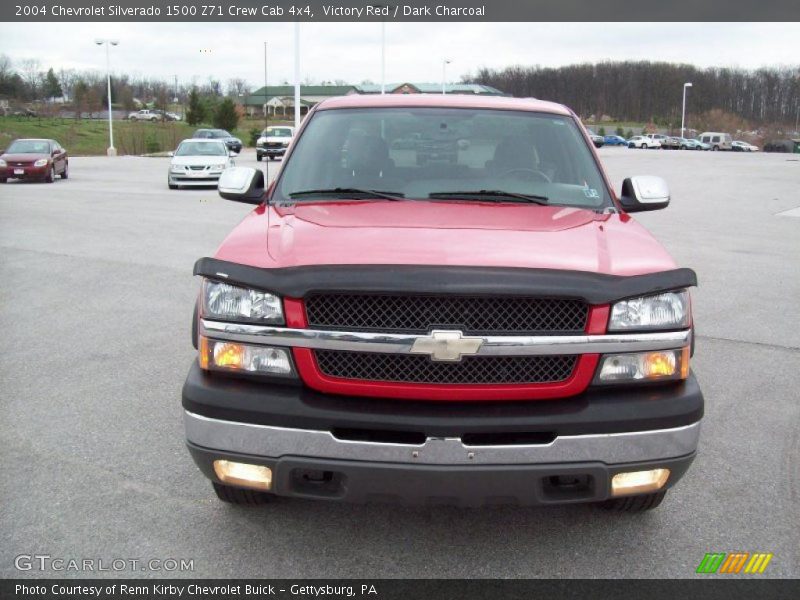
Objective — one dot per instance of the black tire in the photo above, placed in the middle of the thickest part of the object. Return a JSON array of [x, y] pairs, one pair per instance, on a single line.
[[635, 504], [683, 147], [241, 496], [51, 176], [258, 157], [3, 180], [65, 174], [631, 146], [272, 158], [715, 148]]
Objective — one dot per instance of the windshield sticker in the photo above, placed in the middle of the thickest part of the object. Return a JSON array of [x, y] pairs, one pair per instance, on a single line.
[[591, 193]]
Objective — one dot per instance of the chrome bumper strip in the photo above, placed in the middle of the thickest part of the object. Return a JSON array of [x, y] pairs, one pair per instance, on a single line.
[[491, 345], [276, 442]]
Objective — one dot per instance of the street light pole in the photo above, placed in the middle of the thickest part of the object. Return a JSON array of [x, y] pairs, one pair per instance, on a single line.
[[297, 75], [683, 113], [100, 42], [383, 57], [445, 62], [266, 96]]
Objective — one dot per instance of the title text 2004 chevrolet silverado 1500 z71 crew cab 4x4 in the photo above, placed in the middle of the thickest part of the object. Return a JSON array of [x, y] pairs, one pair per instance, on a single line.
[[490, 329]]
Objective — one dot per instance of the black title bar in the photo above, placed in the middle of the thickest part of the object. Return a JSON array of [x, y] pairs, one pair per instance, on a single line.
[[390, 10]]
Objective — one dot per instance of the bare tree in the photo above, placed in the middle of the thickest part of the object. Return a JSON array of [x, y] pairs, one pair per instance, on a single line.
[[238, 87], [32, 75]]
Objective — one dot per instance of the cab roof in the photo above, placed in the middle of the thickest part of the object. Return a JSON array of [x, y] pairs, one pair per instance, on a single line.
[[442, 101]]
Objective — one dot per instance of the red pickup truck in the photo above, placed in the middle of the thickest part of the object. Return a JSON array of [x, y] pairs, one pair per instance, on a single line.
[[491, 327]]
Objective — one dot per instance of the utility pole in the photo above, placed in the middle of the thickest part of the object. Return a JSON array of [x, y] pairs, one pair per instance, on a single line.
[[683, 113], [108, 43]]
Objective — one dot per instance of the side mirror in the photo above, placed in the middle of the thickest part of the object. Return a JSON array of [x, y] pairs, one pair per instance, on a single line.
[[170, 153], [242, 184], [644, 192], [55, 153]]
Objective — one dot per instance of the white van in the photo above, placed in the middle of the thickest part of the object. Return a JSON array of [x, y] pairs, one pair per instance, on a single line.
[[717, 140]]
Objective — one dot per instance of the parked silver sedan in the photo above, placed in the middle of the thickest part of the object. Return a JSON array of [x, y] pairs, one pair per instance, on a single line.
[[198, 162]]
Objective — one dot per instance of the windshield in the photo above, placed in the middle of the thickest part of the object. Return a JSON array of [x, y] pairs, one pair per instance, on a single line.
[[277, 132], [211, 133], [201, 149], [29, 147], [427, 153]]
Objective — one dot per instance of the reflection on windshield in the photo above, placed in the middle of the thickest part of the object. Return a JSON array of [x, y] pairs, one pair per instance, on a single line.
[[420, 153], [201, 149], [29, 147]]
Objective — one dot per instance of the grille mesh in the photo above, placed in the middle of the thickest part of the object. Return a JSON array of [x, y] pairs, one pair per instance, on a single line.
[[470, 314], [414, 368]]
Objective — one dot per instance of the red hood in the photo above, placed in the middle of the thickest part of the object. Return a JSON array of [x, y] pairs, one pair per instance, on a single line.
[[444, 233], [27, 157]]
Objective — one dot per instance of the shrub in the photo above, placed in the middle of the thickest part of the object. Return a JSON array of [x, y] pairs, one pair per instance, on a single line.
[[226, 117]]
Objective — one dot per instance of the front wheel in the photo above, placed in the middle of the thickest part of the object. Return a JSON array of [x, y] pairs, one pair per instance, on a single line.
[[51, 176], [3, 180], [65, 174], [241, 496], [715, 148], [272, 158], [259, 157], [634, 504]]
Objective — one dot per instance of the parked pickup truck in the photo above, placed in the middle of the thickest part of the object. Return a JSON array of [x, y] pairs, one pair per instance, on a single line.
[[146, 115], [498, 329]]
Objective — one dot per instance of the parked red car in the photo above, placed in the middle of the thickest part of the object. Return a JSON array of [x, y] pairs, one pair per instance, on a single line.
[[34, 159], [490, 327]]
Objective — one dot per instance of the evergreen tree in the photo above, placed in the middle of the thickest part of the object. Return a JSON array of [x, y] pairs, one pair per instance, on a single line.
[[196, 113], [225, 116], [52, 88]]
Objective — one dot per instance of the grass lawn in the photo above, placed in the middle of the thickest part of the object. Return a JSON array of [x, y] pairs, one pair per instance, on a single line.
[[90, 137]]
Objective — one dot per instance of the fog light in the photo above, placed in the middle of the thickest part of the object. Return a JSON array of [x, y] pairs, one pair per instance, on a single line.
[[638, 482], [235, 473], [644, 366], [232, 356]]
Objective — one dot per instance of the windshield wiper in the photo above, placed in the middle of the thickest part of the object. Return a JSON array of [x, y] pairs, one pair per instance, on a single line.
[[498, 195], [340, 191]]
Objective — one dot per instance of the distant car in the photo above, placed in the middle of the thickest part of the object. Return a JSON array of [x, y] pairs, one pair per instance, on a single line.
[[641, 141], [146, 115], [34, 159], [697, 144], [233, 143], [171, 116], [274, 141], [615, 140], [597, 140], [198, 162], [658, 137], [740, 146], [24, 112], [671, 143]]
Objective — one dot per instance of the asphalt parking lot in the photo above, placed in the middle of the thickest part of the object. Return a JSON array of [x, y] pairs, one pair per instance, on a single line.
[[95, 308]]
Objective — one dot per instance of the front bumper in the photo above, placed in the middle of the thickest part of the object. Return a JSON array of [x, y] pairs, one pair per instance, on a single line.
[[27, 172], [261, 151], [336, 447], [205, 179]]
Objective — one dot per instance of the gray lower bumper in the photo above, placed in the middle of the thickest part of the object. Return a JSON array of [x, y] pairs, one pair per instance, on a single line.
[[277, 442]]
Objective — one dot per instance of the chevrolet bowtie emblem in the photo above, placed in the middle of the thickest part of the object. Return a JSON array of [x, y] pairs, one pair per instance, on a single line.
[[446, 345]]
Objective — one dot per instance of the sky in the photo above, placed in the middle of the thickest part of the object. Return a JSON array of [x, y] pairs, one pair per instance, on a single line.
[[414, 51]]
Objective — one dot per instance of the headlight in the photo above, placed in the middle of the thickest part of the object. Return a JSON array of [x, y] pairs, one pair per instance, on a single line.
[[244, 358], [217, 167], [663, 311], [177, 168], [644, 366], [3, 163], [40, 163], [232, 303], [285, 144]]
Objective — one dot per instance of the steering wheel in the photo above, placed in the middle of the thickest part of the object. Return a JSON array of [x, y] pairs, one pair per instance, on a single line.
[[532, 174]]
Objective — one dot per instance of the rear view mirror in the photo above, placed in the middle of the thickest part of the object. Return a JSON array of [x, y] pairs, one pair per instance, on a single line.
[[242, 184], [170, 154], [644, 192]]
